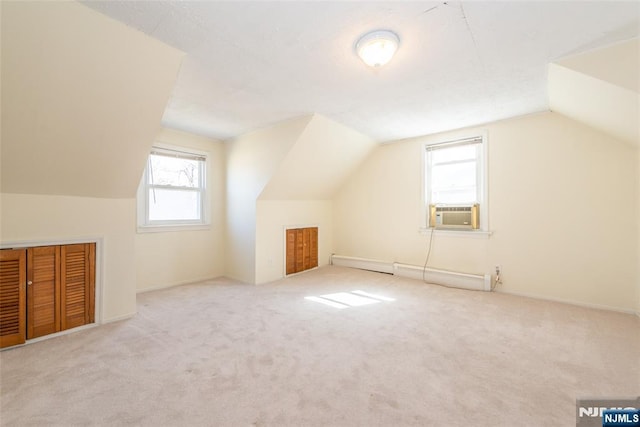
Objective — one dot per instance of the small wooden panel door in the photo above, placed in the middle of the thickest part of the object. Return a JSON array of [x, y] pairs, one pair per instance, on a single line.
[[302, 249], [13, 272], [77, 283], [43, 291]]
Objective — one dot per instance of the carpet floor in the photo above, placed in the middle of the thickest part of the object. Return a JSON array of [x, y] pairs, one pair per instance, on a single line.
[[221, 353]]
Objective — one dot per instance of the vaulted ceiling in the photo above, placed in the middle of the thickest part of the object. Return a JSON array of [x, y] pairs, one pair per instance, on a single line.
[[252, 64]]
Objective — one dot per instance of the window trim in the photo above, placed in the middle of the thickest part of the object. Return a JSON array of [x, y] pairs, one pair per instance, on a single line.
[[483, 177], [143, 225]]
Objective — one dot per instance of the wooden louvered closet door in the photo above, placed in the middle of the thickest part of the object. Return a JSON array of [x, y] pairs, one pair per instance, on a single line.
[[12, 297], [77, 279], [291, 252], [300, 244], [302, 249], [313, 247], [43, 291]]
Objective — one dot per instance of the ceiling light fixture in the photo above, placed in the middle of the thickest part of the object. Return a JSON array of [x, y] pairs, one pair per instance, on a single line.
[[377, 47]]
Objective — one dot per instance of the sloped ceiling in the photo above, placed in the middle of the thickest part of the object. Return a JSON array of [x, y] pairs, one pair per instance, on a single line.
[[324, 154], [250, 64], [82, 100], [601, 89], [254, 158]]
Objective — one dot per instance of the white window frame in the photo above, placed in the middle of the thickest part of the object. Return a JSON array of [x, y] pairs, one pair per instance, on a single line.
[[146, 225], [482, 182]]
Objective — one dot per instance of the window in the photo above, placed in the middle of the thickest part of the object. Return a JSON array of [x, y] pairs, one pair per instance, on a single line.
[[454, 175], [173, 190]]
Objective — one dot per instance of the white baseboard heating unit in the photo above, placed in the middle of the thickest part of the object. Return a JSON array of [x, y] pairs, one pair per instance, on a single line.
[[362, 263], [477, 282]]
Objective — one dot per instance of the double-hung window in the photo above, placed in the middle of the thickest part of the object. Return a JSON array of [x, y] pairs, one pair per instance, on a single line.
[[455, 174], [173, 189]]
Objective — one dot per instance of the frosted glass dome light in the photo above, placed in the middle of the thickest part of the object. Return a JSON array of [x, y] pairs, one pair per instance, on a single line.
[[377, 47]]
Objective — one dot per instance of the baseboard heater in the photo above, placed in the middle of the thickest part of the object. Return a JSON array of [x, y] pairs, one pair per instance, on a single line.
[[362, 263], [452, 279]]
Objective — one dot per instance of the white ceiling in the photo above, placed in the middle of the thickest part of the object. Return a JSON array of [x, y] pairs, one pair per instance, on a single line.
[[252, 64]]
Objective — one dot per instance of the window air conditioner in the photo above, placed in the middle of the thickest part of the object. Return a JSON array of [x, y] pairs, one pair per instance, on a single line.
[[460, 217]]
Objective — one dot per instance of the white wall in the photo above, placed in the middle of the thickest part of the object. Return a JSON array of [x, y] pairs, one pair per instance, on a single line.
[[169, 258], [552, 183], [273, 217], [36, 218], [251, 161]]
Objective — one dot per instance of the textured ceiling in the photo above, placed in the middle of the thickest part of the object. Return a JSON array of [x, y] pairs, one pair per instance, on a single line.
[[252, 64]]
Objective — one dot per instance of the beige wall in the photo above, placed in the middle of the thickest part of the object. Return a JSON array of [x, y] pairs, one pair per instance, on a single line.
[[605, 106], [169, 258], [599, 63], [251, 161], [299, 192], [552, 183], [638, 226], [37, 219], [325, 153], [600, 88], [82, 99], [273, 217]]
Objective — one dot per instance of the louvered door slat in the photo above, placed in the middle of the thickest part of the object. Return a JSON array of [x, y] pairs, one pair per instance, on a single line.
[[12, 297]]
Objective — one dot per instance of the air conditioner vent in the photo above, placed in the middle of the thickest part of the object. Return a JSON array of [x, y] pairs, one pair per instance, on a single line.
[[465, 217], [453, 208]]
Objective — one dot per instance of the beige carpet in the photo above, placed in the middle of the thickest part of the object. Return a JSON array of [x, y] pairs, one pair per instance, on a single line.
[[227, 354]]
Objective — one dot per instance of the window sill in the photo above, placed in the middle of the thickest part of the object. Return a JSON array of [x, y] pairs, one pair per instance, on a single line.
[[474, 234], [172, 228]]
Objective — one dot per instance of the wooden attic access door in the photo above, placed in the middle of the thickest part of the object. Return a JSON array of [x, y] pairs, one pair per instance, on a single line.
[[302, 249], [45, 289]]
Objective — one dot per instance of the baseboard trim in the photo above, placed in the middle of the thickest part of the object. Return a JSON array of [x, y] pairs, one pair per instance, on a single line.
[[173, 285], [119, 318], [569, 302], [289, 275], [53, 335]]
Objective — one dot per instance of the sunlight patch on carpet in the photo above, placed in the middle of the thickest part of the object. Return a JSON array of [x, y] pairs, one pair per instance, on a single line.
[[349, 299]]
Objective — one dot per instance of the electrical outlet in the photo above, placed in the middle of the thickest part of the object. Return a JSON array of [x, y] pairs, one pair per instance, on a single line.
[[498, 275]]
